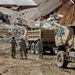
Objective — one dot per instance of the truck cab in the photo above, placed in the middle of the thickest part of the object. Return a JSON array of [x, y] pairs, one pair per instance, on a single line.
[[65, 42]]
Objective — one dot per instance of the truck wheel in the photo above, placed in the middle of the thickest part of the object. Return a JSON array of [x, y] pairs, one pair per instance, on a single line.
[[36, 49], [33, 48], [60, 59]]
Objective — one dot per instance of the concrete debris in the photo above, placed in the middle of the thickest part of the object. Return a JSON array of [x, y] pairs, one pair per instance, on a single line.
[[29, 14], [50, 22], [44, 8], [39, 1], [11, 16], [25, 2], [7, 31], [17, 29], [18, 2], [13, 23], [48, 6]]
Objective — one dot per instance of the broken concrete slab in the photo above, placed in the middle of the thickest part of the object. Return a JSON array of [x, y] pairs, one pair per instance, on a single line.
[[39, 1], [30, 14], [12, 15], [48, 6], [44, 8]]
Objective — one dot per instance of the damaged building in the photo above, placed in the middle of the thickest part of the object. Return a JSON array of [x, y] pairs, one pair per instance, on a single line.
[[44, 8], [25, 17]]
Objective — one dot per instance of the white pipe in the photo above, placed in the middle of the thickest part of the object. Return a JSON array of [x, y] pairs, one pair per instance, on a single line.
[[72, 1]]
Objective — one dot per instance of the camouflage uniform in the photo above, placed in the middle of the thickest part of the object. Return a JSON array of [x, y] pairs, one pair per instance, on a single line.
[[23, 48], [40, 47], [13, 49]]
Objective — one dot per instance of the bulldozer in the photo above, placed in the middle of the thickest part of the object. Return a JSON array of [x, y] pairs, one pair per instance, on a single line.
[[65, 43]]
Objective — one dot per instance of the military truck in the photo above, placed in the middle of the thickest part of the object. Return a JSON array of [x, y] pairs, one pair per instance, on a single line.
[[47, 37], [65, 42]]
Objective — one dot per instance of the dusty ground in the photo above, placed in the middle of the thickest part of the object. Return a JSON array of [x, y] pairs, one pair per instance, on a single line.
[[31, 66]]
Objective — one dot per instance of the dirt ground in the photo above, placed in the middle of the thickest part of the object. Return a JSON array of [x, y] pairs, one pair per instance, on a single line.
[[31, 66]]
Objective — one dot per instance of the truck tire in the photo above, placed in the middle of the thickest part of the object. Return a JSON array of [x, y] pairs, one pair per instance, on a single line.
[[60, 59], [36, 49], [33, 48]]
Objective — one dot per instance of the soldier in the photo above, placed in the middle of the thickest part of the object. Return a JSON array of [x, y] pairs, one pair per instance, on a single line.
[[40, 47], [13, 50], [23, 48]]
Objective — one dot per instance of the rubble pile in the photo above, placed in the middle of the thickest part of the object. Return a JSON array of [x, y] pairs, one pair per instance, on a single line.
[[68, 11], [3, 32], [48, 23], [44, 7], [7, 31], [13, 23]]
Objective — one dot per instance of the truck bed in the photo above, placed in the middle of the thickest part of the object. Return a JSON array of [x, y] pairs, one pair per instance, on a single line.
[[45, 35]]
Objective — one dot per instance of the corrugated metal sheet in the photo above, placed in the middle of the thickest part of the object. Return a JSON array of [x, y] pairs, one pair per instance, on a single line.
[[18, 2]]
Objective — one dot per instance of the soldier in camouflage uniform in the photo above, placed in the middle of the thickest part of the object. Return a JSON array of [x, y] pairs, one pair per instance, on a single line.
[[23, 48], [13, 49], [40, 47]]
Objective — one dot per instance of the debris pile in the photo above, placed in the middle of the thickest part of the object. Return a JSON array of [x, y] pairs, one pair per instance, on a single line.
[[48, 23], [7, 31], [13, 23], [44, 7], [68, 11]]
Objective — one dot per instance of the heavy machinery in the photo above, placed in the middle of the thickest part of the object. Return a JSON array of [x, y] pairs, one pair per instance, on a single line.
[[65, 42], [47, 37]]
